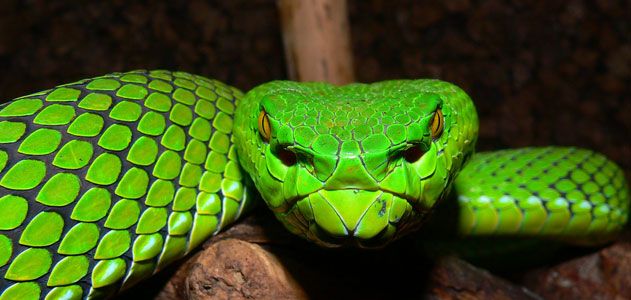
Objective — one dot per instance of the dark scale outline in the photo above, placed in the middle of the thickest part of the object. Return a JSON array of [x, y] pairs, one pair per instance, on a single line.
[[569, 151], [34, 207], [65, 211], [164, 230], [126, 166]]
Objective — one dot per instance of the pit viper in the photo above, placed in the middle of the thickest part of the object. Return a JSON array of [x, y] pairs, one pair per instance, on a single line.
[[107, 180]]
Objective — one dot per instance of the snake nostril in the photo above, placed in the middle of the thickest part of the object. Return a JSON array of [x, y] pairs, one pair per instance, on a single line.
[[288, 157], [413, 154]]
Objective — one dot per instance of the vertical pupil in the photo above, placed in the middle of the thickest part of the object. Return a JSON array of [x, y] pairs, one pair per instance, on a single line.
[[264, 128], [437, 123]]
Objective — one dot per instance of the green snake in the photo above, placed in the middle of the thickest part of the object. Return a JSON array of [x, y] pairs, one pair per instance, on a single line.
[[105, 181]]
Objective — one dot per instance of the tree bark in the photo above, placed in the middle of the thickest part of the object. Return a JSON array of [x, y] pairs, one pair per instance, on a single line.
[[601, 275], [257, 259]]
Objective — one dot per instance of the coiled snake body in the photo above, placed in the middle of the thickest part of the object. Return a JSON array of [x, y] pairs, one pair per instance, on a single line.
[[107, 180]]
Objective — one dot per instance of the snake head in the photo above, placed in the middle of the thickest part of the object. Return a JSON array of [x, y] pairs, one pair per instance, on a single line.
[[358, 164]]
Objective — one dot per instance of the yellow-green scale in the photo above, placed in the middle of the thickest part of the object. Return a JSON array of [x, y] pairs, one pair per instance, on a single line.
[[128, 154], [544, 192]]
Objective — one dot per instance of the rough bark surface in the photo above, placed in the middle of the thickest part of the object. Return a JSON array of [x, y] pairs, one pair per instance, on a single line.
[[454, 278], [235, 269], [257, 259], [602, 275]]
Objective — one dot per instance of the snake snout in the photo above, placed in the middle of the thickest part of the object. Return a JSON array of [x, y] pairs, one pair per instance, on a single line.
[[354, 216]]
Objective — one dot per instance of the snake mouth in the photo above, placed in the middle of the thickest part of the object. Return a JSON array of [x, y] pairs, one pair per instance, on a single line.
[[352, 217]]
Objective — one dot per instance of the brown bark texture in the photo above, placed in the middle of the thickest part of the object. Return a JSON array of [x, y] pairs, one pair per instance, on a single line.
[[602, 275], [258, 259]]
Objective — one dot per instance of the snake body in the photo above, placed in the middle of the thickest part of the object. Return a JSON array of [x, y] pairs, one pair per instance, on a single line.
[[105, 181]]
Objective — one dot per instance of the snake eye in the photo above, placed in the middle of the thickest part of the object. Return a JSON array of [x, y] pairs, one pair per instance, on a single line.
[[264, 128], [437, 124]]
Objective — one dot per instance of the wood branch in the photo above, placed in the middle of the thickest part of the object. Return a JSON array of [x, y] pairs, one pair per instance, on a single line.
[[285, 267], [317, 40], [236, 269], [602, 275], [258, 259]]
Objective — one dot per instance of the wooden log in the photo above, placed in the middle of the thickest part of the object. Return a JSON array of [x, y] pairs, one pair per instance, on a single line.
[[281, 266], [234, 265], [258, 259], [601, 275], [453, 278], [236, 269], [317, 40]]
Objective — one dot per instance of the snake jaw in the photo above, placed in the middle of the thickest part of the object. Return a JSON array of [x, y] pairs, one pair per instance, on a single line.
[[350, 217]]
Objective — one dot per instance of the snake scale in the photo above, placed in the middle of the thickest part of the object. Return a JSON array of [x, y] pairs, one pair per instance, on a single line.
[[105, 181]]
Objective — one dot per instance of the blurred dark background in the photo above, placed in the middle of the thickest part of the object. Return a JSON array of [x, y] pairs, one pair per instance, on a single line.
[[540, 72]]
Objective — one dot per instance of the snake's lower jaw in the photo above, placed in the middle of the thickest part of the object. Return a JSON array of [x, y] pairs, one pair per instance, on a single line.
[[351, 217]]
